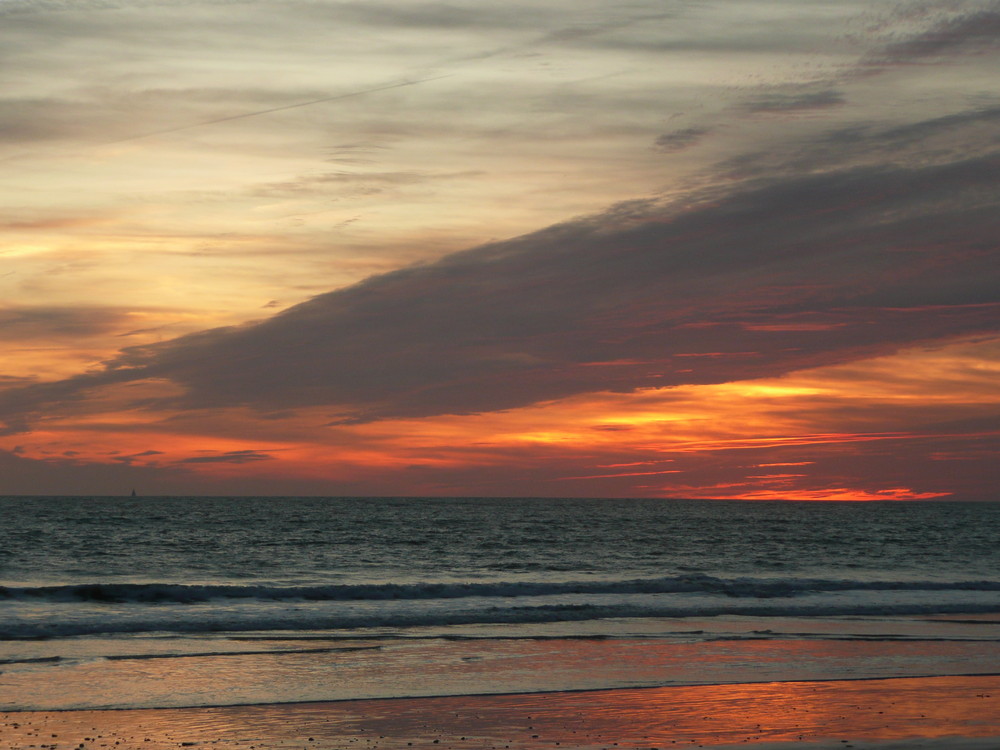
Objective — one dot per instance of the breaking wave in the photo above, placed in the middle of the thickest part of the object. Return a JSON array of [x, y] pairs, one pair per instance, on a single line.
[[758, 588]]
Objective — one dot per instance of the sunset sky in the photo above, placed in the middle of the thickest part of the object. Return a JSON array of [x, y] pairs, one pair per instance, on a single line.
[[613, 248]]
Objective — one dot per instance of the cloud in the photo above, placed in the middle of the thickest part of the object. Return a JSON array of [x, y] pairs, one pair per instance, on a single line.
[[679, 140], [951, 137], [434, 15], [774, 103], [105, 116], [183, 33], [29, 120], [108, 120], [129, 459], [958, 123], [60, 475], [282, 108], [33, 323], [359, 182], [51, 223], [230, 457], [25, 476], [18, 7], [971, 33], [773, 276]]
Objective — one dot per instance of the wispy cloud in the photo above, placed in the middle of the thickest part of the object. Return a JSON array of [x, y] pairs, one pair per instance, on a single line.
[[230, 457], [780, 102], [132, 457], [39, 323], [679, 140], [973, 32]]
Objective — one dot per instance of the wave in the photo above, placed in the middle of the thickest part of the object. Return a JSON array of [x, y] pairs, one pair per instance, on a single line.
[[33, 660], [256, 652], [758, 588]]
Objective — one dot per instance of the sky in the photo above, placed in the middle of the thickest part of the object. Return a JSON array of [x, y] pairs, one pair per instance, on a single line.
[[743, 249]]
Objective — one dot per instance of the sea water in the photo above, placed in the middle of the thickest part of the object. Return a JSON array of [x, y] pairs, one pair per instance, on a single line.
[[168, 601]]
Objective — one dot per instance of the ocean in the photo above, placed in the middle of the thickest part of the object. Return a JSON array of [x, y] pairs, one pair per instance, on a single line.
[[169, 601]]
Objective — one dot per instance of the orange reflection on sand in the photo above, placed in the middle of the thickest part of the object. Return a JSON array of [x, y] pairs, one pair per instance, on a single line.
[[679, 717], [641, 718], [699, 715]]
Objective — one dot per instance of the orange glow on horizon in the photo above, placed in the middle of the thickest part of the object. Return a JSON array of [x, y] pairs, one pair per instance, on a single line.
[[704, 441], [838, 494]]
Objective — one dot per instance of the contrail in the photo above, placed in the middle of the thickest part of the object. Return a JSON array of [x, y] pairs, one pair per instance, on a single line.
[[257, 113], [229, 118]]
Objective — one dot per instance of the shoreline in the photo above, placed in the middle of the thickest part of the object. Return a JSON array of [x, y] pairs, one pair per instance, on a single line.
[[101, 679], [504, 694], [933, 712]]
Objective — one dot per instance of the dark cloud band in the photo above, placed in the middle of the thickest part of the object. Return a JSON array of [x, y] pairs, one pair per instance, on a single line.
[[778, 276]]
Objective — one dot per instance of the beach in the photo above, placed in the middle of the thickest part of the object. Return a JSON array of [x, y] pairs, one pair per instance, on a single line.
[[939, 712]]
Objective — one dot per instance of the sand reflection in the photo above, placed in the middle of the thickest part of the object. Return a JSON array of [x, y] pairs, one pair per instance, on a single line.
[[708, 715]]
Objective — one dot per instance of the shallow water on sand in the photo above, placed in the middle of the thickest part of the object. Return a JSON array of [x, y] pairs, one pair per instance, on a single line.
[[336, 670]]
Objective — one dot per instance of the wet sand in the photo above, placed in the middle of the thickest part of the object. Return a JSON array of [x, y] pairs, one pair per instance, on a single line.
[[958, 713]]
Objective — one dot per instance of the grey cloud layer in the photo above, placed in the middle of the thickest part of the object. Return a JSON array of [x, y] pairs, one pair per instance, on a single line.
[[165, 30], [172, 46], [777, 276]]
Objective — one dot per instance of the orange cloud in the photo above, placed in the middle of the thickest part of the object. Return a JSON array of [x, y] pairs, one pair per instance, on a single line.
[[698, 441]]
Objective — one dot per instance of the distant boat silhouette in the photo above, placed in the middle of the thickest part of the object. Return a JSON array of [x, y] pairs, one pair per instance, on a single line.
[[133, 493]]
